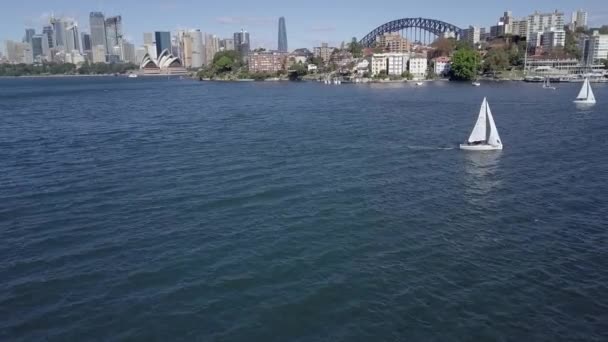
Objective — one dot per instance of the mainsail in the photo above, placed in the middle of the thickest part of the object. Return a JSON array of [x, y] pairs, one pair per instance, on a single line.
[[479, 131], [584, 93], [493, 138]]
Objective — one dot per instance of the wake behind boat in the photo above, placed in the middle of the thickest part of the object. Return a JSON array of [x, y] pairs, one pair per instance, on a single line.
[[585, 96], [485, 135]]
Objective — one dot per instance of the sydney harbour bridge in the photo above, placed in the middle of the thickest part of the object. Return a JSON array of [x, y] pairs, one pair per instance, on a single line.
[[421, 30]]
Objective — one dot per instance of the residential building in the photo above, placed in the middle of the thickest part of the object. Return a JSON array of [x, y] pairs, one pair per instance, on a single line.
[[553, 38], [397, 63], [282, 44], [227, 44], [324, 52], [379, 64], [443, 66], [48, 31], [418, 67], [29, 33], [595, 48], [507, 22], [242, 44], [162, 41], [498, 31], [212, 46], [520, 28], [86, 41], [198, 49], [393, 42], [99, 53], [186, 42], [541, 22], [535, 39], [579, 19], [267, 61], [97, 23], [472, 35]]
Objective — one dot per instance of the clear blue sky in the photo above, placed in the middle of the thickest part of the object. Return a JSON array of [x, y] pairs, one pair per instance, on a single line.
[[308, 22]]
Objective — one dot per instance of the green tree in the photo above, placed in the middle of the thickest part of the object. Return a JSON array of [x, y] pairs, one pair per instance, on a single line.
[[496, 60], [465, 64], [355, 48], [224, 64]]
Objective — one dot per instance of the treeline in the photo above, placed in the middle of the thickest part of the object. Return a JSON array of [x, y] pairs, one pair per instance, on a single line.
[[64, 69]]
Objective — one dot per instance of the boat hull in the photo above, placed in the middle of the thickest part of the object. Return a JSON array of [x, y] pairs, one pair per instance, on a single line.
[[480, 147], [584, 102]]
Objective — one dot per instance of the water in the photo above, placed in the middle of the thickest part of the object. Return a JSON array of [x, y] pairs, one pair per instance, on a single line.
[[155, 209]]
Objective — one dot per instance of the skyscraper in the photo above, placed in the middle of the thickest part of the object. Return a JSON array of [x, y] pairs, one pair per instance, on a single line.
[[579, 19], [114, 36], [48, 31], [128, 50], [72, 37], [163, 41], [198, 49], [37, 47], [29, 33], [282, 35], [97, 23], [212, 46], [59, 29], [86, 41], [241, 43]]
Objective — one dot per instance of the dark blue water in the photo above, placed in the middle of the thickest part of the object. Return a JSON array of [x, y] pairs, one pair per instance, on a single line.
[[155, 209]]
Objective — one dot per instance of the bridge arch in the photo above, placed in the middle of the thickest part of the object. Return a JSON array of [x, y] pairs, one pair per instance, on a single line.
[[436, 27]]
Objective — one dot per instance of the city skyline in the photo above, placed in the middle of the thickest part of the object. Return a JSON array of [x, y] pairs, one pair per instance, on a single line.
[[333, 24]]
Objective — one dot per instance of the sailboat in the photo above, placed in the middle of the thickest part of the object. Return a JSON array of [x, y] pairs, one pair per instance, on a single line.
[[547, 84], [585, 96], [485, 135]]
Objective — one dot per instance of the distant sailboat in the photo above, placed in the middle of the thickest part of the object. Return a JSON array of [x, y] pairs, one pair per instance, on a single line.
[[547, 84], [485, 135], [585, 96], [476, 84]]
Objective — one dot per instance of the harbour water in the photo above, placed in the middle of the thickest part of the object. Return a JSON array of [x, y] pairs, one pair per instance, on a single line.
[[174, 210]]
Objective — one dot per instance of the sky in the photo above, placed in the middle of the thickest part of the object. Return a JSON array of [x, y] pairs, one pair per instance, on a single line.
[[309, 22]]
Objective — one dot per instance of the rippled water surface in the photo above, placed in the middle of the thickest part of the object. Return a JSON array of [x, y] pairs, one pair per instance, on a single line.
[[155, 209]]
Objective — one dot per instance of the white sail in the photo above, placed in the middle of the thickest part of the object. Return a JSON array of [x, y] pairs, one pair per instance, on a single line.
[[493, 138], [590, 96], [479, 131], [583, 94]]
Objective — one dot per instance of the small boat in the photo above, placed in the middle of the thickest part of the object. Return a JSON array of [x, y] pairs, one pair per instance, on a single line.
[[485, 135], [547, 84], [132, 76], [419, 83], [585, 96], [476, 84]]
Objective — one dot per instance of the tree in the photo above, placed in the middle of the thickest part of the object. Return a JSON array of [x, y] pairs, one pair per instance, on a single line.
[[465, 64], [355, 48], [571, 46], [224, 64], [443, 47], [496, 60], [407, 75]]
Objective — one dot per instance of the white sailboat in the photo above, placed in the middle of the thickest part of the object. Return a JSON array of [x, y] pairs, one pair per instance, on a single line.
[[485, 135], [585, 96], [547, 84], [476, 84]]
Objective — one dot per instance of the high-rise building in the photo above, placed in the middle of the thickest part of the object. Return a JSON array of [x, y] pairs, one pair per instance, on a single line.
[[114, 36], [99, 53], [227, 44], [553, 38], [186, 49], [541, 22], [520, 28], [242, 42], [128, 51], [97, 23], [282, 35], [59, 29], [393, 42], [86, 41], [18, 52], [140, 53], [198, 49], [148, 38], [163, 41], [595, 48], [72, 37], [579, 19], [267, 61], [40, 47], [29, 33], [48, 31], [472, 35], [506, 21], [212, 46]]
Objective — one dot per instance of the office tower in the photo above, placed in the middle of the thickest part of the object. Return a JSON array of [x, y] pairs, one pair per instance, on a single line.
[[140, 53], [59, 29], [282, 35], [212, 46], [186, 43], [72, 37], [241, 42], [39, 47], [48, 32], [148, 38], [198, 49], [128, 51], [99, 53], [114, 36], [18, 52], [227, 44], [29, 33], [86, 41], [163, 41], [97, 23]]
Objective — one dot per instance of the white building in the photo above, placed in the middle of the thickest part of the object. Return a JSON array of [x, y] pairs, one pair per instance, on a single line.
[[18, 52], [595, 48], [198, 49], [379, 63], [579, 19], [443, 65], [519, 28], [541, 22], [140, 53], [312, 68], [99, 54], [418, 67], [397, 63], [471, 35], [553, 38]]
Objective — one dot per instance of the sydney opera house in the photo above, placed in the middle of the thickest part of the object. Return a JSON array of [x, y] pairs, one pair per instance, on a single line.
[[165, 64]]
